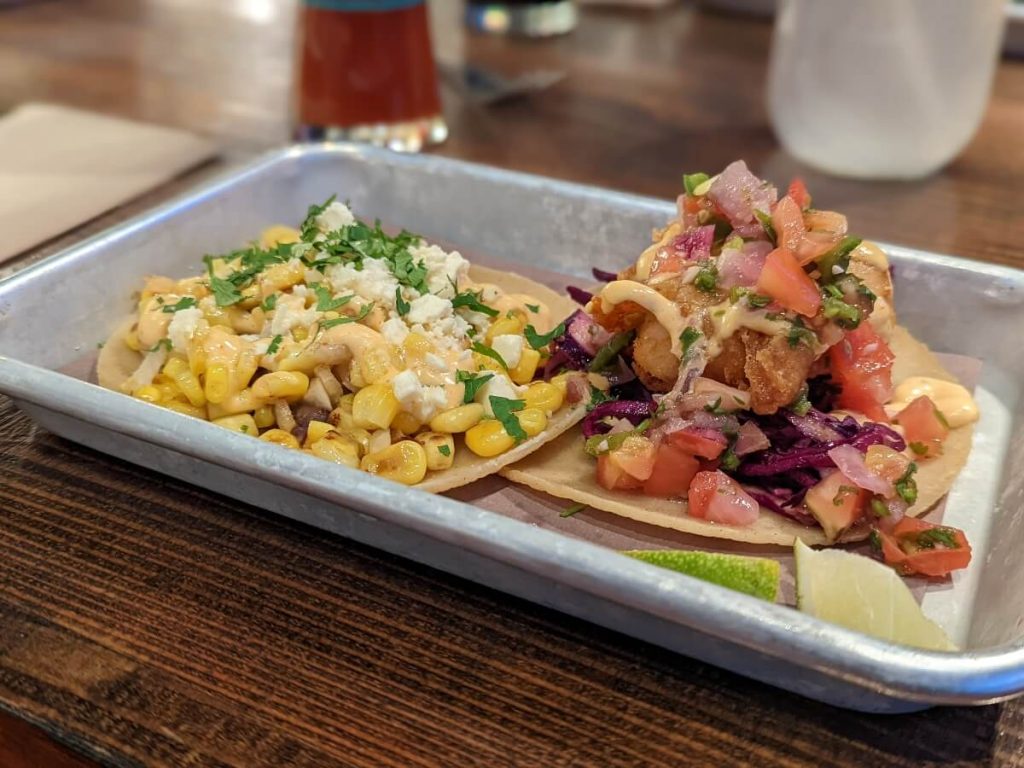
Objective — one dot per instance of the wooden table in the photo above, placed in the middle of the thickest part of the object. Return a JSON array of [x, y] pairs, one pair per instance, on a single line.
[[143, 621]]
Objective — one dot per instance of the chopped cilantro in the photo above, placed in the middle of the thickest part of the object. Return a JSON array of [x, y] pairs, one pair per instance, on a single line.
[[715, 407], [799, 332], [471, 301], [535, 308], [444, 450], [801, 405], [541, 340], [325, 301], [606, 355], [269, 303], [876, 540], [878, 508], [408, 272], [595, 445], [473, 382], [572, 509], [597, 397], [245, 428], [401, 305], [707, 276], [834, 263], [308, 228], [906, 486], [483, 349], [185, 302], [324, 324], [505, 411], [99, 344], [919, 449], [224, 291], [688, 338], [766, 222], [942, 418], [730, 462], [164, 343], [863, 290], [846, 315], [693, 180], [275, 344], [935, 536]]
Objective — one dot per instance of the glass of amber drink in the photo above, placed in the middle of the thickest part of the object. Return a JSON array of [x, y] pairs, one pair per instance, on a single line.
[[366, 73]]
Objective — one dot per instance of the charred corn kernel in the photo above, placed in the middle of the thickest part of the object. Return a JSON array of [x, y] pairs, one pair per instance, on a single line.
[[281, 384], [524, 370], [264, 416], [460, 419], [131, 340], [278, 233], [361, 437], [545, 396], [379, 440], [417, 345], [239, 402], [403, 462], [281, 276], [177, 369], [488, 438], [341, 416], [503, 327], [406, 423], [217, 382], [375, 365], [241, 422], [337, 448], [280, 437], [148, 393], [439, 448], [316, 431], [375, 407], [486, 363], [532, 420]]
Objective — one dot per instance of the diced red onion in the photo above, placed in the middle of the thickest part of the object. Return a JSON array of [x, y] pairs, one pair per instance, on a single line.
[[576, 390], [851, 463], [695, 244], [732, 399], [749, 439], [588, 334], [738, 193]]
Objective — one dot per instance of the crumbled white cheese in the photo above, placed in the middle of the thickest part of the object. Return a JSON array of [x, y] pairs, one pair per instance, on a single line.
[[421, 401], [374, 282], [335, 216], [443, 269], [183, 327], [428, 308], [448, 333], [394, 331], [406, 386], [498, 386], [290, 312], [436, 362], [510, 347]]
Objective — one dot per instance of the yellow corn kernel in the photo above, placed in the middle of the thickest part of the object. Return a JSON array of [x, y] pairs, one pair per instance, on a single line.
[[297, 358], [281, 276], [217, 382], [242, 401], [375, 407], [169, 391], [532, 420], [148, 393], [278, 233], [281, 384], [300, 334], [341, 416], [562, 382], [375, 364], [197, 352], [524, 370], [242, 422], [186, 408], [337, 448], [417, 345], [280, 437], [404, 462], [177, 369], [440, 449], [459, 419], [488, 438], [316, 431], [131, 340], [406, 423], [545, 396], [264, 416], [504, 326]]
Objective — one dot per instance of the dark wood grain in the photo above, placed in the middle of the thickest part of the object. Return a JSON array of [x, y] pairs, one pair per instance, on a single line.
[[144, 621]]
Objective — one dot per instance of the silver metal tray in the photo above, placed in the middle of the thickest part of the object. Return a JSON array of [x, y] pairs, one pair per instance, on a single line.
[[53, 314]]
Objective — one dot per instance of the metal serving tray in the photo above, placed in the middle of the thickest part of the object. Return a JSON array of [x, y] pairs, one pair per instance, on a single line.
[[53, 314]]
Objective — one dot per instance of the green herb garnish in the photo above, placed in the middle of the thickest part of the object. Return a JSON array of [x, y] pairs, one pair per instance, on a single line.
[[707, 277], [729, 461], [483, 349], [935, 536], [541, 340], [505, 411], [269, 303], [535, 308], [833, 264], [688, 338], [693, 180], [275, 344], [597, 396], [919, 449], [766, 223], [878, 508], [607, 354], [846, 315], [367, 308], [185, 302], [164, 342], [906, 486], [572, 509], [471, 301], [473, 382], [401, 305], [802, 404], [444, 450], [325, 301], [308, 228], [799, 332], [715, 407]]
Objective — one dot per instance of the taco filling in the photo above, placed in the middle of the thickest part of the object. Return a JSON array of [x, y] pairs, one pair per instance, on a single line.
[[757, 386], [376, 351]]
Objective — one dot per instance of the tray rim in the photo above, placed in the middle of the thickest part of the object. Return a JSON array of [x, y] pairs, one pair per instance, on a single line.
[[932, 677]]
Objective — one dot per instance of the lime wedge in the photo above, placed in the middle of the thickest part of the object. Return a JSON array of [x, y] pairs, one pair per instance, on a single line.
[[755, 576], [859, 593]]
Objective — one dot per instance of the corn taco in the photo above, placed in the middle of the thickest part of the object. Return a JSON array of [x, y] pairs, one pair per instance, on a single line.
[[753, 385], [371, 350]]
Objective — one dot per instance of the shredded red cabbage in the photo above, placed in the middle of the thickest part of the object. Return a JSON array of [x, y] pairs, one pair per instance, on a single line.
[[578, 295], [604, 275], [634, 411]]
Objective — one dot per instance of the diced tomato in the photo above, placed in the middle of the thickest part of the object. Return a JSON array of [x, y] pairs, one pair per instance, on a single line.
[[635, 456], [924, 427], [692, 204], [784, 280], [717, 497], [697, 444], [674, 468], [788, 221], [836, 503], [667, 262], [798, 191], [885, 462], [917, 547], [862, 366], [613, 478]]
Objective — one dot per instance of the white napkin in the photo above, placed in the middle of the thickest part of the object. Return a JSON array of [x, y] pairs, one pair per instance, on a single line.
[[60, 167]]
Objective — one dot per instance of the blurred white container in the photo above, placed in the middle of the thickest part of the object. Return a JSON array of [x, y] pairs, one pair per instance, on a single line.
[[882, 88]]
